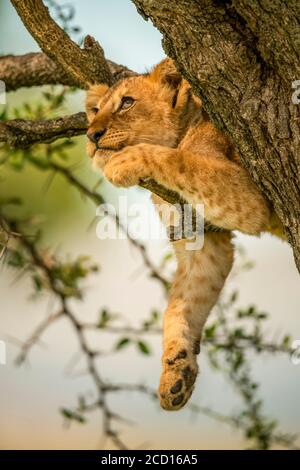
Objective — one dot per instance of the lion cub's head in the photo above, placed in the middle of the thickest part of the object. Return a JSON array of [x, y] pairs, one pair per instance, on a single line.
[[142, 109]]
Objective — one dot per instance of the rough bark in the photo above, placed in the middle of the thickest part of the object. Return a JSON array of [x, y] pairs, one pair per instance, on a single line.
[[20, 133], [87, 65], [37, 69], [241, 58]]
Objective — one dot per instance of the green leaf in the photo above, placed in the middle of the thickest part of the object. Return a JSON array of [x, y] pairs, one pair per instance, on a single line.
[[122, 343], [143, 347], [37, 282], [155, 315], [72, 415], [210, 331], [3, 115], [17, 160], [104, 318], [238, 333], [16, 259], [286, 341]]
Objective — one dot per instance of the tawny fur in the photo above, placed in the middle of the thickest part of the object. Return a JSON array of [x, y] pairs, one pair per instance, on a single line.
[[166, 135]]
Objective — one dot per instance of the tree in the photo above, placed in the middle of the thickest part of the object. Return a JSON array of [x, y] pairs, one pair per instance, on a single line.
[[242, 59], [223, 49]]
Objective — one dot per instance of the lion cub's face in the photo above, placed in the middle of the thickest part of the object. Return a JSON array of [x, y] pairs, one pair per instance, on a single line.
[[142, 109]]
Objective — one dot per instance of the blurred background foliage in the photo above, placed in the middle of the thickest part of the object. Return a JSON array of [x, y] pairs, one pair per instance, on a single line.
[[48, 195]]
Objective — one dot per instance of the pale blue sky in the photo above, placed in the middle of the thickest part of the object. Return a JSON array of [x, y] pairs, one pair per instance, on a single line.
[[125, 36]]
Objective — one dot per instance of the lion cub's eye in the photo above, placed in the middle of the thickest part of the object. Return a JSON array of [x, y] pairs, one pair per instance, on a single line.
[[126, 103], [94, 110]]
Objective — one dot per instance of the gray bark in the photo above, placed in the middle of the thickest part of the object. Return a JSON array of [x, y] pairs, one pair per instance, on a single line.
[[241, 58]]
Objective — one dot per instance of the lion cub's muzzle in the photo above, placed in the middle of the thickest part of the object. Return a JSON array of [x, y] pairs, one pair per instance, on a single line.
[[95, 136]]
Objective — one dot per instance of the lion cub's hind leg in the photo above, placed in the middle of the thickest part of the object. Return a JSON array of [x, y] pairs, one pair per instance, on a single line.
[[198, 282]]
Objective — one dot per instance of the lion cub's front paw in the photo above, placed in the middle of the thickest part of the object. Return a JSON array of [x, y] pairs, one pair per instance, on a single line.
[[177, 380], [126, 168]]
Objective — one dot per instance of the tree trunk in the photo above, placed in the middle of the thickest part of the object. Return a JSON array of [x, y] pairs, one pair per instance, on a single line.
[[241, 58]]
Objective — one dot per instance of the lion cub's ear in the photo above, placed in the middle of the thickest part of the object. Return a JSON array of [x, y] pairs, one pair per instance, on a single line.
[[166, 74], [93, 96]]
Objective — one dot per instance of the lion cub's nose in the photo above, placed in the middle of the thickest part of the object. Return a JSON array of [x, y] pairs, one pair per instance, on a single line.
[[95, 136]]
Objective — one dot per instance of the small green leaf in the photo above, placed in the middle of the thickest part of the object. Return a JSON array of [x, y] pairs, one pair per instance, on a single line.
[[210, 331], [37, 282], [286, 341], [72, 415], [104, 318], [155, 315], [17, 160], [262, 316], [143, 347], [122, 343]]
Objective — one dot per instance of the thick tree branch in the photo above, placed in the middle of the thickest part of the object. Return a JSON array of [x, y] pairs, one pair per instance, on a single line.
[[86, 65], [34, 69], [175, 199], [79, 66], [37, 69], [276, 29], [223, 54], [20, 133]]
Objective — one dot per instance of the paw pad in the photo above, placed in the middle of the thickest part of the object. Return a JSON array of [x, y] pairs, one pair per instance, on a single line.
[[176, 387], [177, 380], [178, 400]]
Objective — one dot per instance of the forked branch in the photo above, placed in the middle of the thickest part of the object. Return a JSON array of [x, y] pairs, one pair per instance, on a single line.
[[87, 65], [80, 66], [37, 69]]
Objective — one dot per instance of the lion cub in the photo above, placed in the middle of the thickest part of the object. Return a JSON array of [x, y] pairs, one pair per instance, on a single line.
[[152, 126]]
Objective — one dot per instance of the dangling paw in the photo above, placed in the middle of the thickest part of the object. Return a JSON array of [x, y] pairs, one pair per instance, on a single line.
[[177, 380]]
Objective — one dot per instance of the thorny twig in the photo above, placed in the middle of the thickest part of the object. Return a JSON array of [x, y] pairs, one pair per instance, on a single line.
[[47, 267]]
